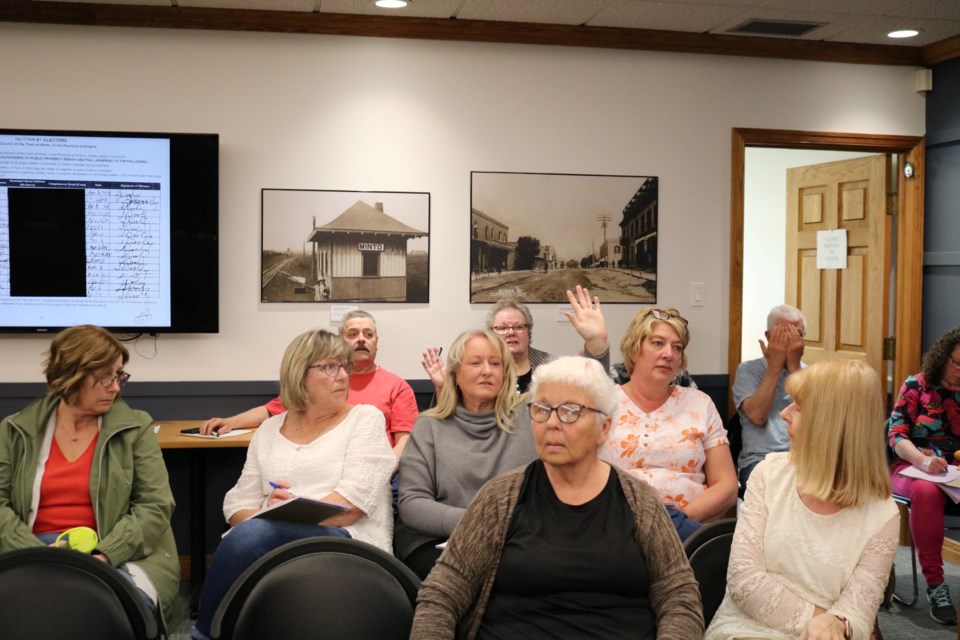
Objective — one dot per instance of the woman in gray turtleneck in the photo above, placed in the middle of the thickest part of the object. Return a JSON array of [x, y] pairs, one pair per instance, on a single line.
[[472, 435]]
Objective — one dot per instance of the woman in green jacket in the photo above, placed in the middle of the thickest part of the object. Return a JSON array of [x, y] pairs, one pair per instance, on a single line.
[[79, 456]]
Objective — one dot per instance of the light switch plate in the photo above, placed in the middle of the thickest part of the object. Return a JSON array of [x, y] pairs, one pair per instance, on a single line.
[[696, 294]]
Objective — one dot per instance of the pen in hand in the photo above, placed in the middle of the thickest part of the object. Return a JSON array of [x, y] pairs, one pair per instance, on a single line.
[[277, 486]]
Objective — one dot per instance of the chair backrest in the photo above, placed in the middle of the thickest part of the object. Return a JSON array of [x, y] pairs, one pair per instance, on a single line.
[[708, 549], [734, 435], [320, 588], [57, 593]]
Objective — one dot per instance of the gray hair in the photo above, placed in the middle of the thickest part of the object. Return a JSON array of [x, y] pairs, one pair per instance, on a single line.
[[785, 313], [584, 374], [511, 303], [356, 313]]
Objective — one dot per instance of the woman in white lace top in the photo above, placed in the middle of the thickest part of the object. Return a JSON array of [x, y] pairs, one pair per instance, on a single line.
[[818, 530]]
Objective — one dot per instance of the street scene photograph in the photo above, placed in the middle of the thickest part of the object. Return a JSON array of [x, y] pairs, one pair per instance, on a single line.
[[535, 235]]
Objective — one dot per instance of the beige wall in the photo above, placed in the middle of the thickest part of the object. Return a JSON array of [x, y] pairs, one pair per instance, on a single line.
[[319, 112]]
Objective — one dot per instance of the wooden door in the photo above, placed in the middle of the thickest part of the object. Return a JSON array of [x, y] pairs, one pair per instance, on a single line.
[[846, 309]]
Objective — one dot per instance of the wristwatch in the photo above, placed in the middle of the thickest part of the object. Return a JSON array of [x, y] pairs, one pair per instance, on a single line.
[[847, 631]]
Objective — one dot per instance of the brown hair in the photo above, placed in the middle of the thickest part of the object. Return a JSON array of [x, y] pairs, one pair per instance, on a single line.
[[77, 352]]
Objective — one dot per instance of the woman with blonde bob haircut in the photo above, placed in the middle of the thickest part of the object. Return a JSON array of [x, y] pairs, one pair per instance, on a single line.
[[818, 530], [844, 393], [300, 354], [321, 447], [473, 434]]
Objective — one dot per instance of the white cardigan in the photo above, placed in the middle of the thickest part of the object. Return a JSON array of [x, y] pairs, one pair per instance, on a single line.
[[354, 459]]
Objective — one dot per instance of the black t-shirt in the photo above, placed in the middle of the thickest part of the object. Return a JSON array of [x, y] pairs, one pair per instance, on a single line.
[[570, 571], [523, 381]]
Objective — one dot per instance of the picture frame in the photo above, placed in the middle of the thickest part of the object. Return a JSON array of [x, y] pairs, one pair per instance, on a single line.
[[533, 236], [344, 246]]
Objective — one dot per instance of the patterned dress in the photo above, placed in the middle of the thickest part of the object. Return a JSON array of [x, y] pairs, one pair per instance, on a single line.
[[666, 447], [926, 414]]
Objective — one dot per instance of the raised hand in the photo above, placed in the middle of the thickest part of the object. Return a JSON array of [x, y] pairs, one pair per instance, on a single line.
[[433, 365], [795, 346], [587, 318], [775, 351]]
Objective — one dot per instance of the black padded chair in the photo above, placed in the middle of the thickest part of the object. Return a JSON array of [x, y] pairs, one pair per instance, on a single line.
[[708, 549], [62, 594], [320, 588]]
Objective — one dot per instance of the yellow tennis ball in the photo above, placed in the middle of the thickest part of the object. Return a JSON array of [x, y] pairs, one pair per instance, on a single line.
[[82, 539]]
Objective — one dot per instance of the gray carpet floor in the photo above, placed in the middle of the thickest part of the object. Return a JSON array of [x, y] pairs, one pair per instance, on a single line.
[[915, 623], [897, 623]]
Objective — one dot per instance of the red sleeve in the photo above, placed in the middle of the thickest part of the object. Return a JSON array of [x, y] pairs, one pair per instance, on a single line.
[[404, 411], [275, 406]]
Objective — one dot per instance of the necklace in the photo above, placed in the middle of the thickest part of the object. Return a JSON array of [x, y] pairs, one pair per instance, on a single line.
[[75, 436]]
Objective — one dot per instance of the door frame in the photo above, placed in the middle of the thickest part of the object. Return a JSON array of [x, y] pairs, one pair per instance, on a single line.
[[908, 286]]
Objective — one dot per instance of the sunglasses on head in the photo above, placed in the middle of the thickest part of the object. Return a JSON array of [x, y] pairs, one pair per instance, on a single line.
[[660, 314]]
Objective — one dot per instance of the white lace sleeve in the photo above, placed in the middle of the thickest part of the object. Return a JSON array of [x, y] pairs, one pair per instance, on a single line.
[[863, 593], [762, 597]]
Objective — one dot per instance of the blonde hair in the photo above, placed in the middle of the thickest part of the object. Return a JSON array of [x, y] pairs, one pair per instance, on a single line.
[[449, 397], [306, 349], [642, 326], [839, 451], [77, 352]]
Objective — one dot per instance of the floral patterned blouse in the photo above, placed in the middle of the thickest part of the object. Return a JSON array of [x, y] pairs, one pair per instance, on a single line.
[[667, 447], [923, 412]]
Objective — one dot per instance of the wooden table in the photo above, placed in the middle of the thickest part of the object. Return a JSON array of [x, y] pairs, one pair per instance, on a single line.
[[169, 437]]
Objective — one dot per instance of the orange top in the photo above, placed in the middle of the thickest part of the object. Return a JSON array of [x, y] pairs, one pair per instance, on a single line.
[[65, 492]]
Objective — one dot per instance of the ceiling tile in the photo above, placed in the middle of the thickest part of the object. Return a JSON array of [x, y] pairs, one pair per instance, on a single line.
[[875, 30], [930, 9], [552, 12], [668, 16], [859, 7]]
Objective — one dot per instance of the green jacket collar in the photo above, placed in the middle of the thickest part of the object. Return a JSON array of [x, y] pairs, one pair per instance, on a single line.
[[33, 419]]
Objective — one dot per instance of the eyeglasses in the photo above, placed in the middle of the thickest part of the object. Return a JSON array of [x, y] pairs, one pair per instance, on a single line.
[[567, 413], [660, 314], [504, 329], [120, 378], [333, 368]]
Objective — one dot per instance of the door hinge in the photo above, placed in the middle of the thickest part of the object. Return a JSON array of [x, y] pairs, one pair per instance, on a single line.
[[890, 348], [893, 204]]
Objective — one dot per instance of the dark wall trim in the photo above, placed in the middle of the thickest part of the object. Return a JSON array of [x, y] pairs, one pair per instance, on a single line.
[[204, 399]]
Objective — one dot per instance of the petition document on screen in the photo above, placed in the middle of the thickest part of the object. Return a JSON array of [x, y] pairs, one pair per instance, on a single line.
[[84, 230]]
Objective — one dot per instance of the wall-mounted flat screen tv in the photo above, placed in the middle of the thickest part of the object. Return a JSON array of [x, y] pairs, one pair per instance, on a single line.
[[113, 229]]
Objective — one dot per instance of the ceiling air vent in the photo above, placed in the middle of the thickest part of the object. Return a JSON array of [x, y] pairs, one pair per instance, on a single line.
[[776, 28]]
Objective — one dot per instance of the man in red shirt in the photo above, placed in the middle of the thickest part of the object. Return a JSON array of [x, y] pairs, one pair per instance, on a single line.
[[369, 384]]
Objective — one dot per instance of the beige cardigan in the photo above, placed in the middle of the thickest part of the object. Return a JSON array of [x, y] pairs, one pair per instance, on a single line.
[[454, 596]]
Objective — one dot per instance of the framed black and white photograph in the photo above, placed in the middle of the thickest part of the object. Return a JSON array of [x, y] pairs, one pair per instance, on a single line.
[[535, 235], [344, 246]]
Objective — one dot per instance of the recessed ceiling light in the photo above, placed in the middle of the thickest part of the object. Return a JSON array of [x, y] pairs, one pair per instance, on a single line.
[[904, 33], [391, 4]]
